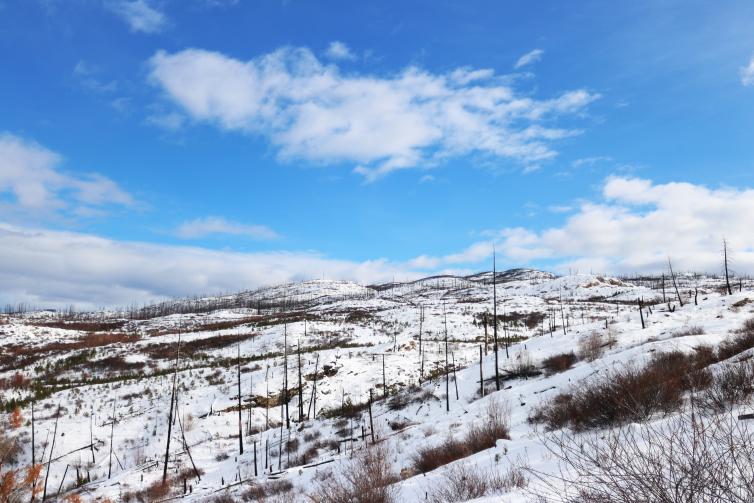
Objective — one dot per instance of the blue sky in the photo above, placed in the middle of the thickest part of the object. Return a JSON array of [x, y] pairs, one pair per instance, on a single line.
[[366, 140]]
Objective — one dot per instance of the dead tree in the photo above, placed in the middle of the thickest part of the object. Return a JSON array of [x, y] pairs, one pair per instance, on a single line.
[[641, 312], [371, 422], [112, 431], [725, 261], [675, 285], [300, 388], [285, 376], [384, 380], [170, 413], [33, 450], [494, 317], [447, 376], [455, 377], [52, 448], [240, 420], [313, 400], [484, 323], [481, 374], [421, 354]]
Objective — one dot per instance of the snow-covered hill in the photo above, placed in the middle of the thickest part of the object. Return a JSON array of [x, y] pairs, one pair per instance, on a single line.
[[81, 372]]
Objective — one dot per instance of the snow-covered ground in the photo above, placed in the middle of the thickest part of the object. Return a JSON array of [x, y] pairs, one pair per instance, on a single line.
[[351, 334]]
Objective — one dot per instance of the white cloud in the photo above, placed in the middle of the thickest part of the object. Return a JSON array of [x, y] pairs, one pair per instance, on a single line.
[[30, 175], [339, 51], [635, 227], [206, 226], [51, 268], [310, 111], [638, 224], [747, 73], [139, 15], [529, 58]]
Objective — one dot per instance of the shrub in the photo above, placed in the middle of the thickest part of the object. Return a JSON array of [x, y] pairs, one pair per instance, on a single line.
[[691, 457], [482, 435], [731, 385], [368, 478], [462, 483], [743, 340], [590, 347], [559, 363], [625, 394], [691, 330]]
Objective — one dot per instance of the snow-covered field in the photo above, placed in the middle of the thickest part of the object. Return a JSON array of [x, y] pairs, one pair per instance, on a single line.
[[105, 366]]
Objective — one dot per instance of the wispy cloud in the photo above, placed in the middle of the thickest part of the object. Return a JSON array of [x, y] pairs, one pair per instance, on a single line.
[[202, 227], [32, 181], [311, 111], [88, 76], [747, 73], [339, 51], [529, 58], [140, 16]]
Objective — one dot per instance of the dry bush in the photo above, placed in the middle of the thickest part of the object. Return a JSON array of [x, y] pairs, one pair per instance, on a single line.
[[482, 435], [559, 363], [743, 340], [262, 492], [590, 347], [689, 458], [691, 330], [626, 394], [368, 478], [731, 385], [462, 483]]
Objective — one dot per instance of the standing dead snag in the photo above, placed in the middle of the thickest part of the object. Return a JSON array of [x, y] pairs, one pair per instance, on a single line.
[[641, 312], [313, 400], [285, 378], [421, 354], [447, 376], [300, 387], [112, 431], [52, 448], [170, 413], [240, 420], [675, 285], [725, 260], [481, 374], [494, 317], [384, 381]]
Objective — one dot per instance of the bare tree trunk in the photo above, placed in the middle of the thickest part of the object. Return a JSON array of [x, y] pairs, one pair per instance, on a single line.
[[455, 377], [170, 413], [33, 444], [494, 317], [52, 448], [371, 422], [675, 285], [725, 257], [240, 420], [313, 400], [384, 380], [447, 376], [421, 354], [112, 431], [641, 312], [285, 379], [300, 388], [481, 374]]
